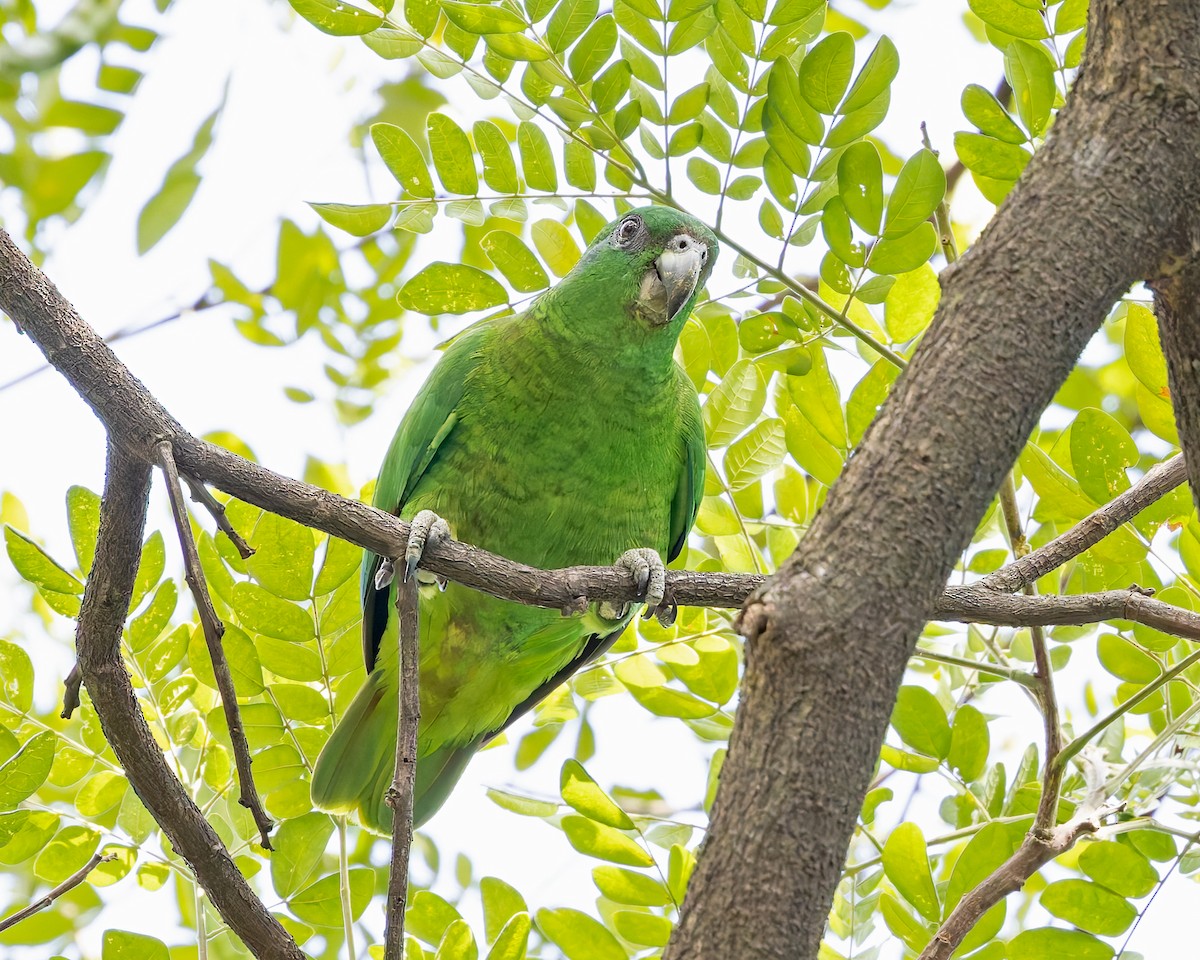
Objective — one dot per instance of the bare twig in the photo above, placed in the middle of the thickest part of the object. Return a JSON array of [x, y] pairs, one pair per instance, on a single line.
[[202, 496], [106, 599], [400, 794], [1159, 480], [214, 630], [70, 883], [71, 692]]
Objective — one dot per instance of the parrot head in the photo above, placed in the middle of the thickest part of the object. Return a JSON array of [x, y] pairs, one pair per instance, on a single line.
[[647, 266]]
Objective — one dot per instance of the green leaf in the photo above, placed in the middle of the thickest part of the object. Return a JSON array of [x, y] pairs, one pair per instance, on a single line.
[[525, 806], [626, 886], [911, 303], [1043, 943], [734, 404], [394, 43], [480, 18], [357, 219], [785, 102], [320, 903], [22, 774], [647, 929], [451, 288], [429, 916], [499, 170], [1031, 75], [919, 189], [164, 209], [37, 566], [123, 945], [583, 793], [100, 793], [70, 849], [452, 155], [511, 942], [875, 76], [611, 86], [340, 561], [604, 843], [1089, 906], [457, 943], [150, 623], [1012, 17], [755, 454], [263, 612], [825, 72], [1101, 451], [906, 864], [969, 743], [515, 260], [536, 159], [516, 46], [403, 158], [1121, 868], [921, 722], [1143, 350], [860, 185], [299, 846], [904, 253], [556, 245], [500, 904], [83, 520], [568, 22], [815, 455], [903, 924], [867, 397], [987, 850], [990, 157], [578, 936], [16, 676], [283, 558], [592, 52], [981, 107]]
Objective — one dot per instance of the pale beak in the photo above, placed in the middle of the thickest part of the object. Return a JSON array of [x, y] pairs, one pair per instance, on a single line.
[[678, 269]]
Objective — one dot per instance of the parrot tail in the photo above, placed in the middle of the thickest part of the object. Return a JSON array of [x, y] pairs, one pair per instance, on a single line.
[[358, 762]]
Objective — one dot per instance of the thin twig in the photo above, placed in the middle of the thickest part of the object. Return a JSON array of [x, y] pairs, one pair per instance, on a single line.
[[1159, 480], [70, 883], [71, 692], [214, 630], [400, 794], [204, 497]]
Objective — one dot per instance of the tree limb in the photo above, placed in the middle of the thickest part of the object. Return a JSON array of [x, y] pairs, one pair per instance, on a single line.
[[106, 599], [400, 794], [214, 630], [70, 883], [1109, 198], [1177, 303], [1159, 480]]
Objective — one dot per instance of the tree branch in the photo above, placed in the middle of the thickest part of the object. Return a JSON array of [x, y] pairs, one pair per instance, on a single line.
[[1109, 198], [1177, 302], [1159, 480], [202, 496], [214, 630], [70, 883], [106, 599], [400, 794]]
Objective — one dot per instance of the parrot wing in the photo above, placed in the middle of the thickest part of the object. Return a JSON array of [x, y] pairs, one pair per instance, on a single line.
[[425, 427]]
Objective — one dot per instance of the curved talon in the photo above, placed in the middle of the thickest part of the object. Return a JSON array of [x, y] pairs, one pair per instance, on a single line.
[[425, 527], [385, 573], [649, 573], [667, 612]]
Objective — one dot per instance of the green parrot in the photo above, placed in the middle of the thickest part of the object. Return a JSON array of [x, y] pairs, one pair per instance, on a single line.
[[563, 435]]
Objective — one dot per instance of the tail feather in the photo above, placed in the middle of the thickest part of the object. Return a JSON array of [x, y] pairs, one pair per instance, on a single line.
[[357, 763]]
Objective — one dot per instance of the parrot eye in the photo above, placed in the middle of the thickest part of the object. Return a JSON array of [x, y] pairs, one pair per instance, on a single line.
[[628, 229]]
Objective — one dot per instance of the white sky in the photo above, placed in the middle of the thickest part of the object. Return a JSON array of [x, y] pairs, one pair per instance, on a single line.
[[282, 141]]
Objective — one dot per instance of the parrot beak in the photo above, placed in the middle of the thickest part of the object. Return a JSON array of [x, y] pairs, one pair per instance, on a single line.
[[673, 280]]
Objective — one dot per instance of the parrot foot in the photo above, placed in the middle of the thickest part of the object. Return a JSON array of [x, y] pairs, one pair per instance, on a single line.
[[385, 573], [426, 527], [649, 573]]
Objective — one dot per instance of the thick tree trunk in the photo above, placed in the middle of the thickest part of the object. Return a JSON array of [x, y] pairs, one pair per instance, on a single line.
[[1111, 198]]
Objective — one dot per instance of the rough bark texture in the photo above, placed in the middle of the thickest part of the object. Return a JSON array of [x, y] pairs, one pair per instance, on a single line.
[[1108, 200], [98, 644], [1177, 299]]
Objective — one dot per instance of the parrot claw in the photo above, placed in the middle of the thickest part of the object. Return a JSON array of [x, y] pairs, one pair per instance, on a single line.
[[385, 573], [649, 573], [426, 527], [665, 613]]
